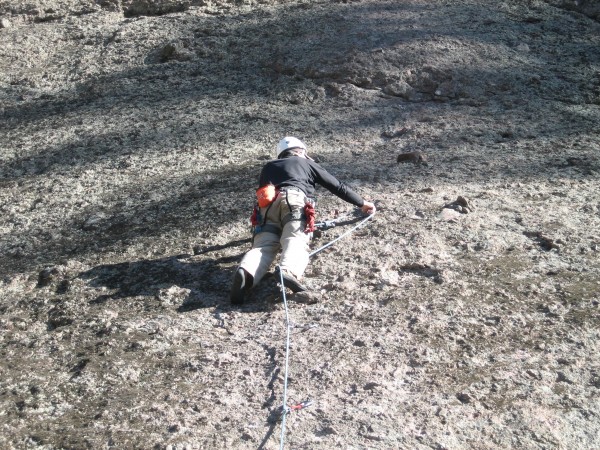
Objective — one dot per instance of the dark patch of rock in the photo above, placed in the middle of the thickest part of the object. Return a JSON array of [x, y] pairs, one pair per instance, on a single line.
[[418, 158]]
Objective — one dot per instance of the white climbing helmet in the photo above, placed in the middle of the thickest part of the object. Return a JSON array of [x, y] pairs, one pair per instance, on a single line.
[[288, 143]]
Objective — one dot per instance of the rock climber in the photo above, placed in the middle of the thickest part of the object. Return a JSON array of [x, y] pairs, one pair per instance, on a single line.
[[284, 217]]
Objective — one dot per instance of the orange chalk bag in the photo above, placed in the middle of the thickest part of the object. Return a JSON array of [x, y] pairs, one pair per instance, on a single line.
[[265, 195]]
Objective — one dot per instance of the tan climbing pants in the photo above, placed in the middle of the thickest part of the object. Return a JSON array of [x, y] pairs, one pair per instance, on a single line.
[[293, 241]]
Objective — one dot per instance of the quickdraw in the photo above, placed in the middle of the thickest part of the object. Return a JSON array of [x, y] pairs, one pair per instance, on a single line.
[[297, 407], [329, 244]]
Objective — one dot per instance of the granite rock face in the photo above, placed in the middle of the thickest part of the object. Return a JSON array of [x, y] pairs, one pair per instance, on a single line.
[[464, 315]]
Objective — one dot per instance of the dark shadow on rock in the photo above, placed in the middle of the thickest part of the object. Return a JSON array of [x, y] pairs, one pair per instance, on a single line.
[[175, 280], [261, 298], [275, 414], [265, 440], [343, 55], [137, 215], [181, 282], [304, 53], [200, 250]]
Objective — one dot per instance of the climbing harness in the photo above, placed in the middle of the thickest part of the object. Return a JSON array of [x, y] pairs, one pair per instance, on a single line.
[[258, 222], [285, 409], [266, 197]]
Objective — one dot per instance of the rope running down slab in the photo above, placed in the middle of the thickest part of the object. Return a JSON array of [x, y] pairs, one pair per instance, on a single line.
[[287, 359], [285, 408]]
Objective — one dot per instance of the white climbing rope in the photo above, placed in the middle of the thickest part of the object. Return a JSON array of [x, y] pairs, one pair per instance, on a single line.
[[284, 408], [358, 225]]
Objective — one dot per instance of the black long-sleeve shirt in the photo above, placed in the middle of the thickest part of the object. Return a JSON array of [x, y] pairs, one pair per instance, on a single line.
[[304, 174]]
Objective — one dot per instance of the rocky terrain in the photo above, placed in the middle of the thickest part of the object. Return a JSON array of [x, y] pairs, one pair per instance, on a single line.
[[464, 315]]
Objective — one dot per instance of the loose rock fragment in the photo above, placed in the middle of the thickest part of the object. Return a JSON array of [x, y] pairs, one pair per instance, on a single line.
[[449, 215], [46, 276], [418, 158], [395, 133], [461, 204], [173, 52], [401, 89]]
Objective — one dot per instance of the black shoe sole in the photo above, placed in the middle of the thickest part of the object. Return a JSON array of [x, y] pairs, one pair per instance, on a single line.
[[236, 295], [293, 284]]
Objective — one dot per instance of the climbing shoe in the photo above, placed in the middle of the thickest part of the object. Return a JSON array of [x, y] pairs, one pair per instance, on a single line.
[[238, 287], [291, 282]]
